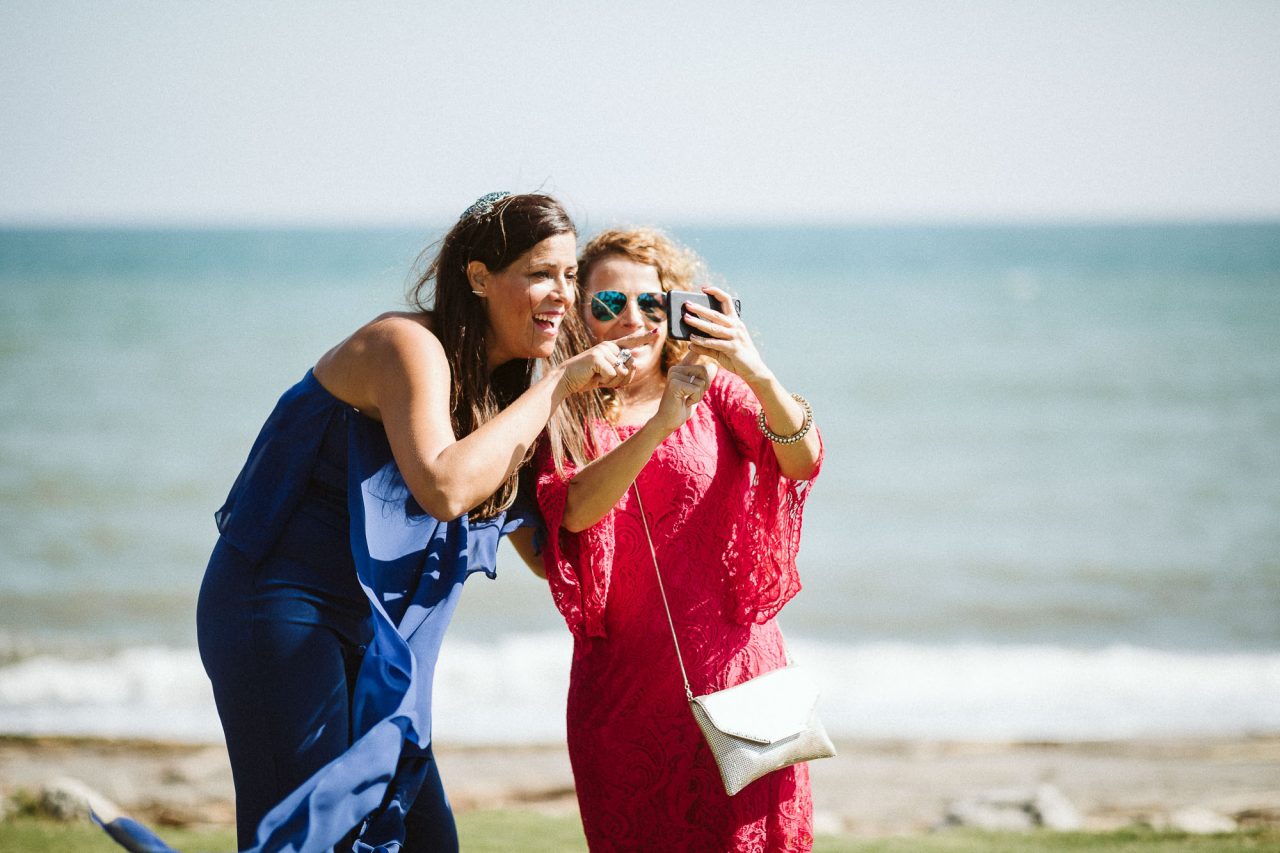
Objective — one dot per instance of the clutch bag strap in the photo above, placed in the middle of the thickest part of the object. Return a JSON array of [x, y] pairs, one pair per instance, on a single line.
[[653, 553], [688, 691]]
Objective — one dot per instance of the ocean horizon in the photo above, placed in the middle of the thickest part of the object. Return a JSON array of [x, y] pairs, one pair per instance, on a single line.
[[1050, 506]]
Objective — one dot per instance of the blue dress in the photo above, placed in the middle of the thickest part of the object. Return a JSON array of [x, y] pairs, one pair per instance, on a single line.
[[320, 619]]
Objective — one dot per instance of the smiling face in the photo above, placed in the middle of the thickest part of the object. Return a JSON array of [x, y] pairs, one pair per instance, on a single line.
[[527, 301], [629, 277]]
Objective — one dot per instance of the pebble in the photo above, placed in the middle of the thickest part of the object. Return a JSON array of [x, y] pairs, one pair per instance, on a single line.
[[68, 799], [1198, 820], [1054, 811], [1008, 810]]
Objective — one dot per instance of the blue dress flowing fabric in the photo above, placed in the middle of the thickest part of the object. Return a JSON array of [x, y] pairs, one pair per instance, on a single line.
[[320, 619]]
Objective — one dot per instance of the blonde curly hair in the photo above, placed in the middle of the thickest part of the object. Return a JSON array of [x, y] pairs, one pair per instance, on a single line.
[[678, 267]]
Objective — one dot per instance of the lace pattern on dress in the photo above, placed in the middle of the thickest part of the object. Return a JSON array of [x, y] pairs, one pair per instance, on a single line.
[[764, 531], [578, 565]]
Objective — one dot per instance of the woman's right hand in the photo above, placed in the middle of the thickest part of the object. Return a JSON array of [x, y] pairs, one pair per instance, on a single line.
[[600, 366], [686, 383]]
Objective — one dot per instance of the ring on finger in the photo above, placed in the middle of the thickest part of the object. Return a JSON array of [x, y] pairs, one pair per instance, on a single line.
[[624, 355]]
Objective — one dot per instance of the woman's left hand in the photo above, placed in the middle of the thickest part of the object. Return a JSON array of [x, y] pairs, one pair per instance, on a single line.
[[724, 337]]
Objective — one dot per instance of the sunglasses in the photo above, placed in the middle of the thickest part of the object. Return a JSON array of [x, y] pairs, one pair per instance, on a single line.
[[606, 305]]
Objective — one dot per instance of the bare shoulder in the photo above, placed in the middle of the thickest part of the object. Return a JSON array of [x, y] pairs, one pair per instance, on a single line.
[[398, 331], [394, 346]]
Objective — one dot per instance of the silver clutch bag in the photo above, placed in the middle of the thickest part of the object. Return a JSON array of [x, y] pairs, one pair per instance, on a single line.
[[762, 725]]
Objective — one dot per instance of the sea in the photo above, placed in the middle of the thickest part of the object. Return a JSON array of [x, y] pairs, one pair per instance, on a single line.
[[1049, 510]]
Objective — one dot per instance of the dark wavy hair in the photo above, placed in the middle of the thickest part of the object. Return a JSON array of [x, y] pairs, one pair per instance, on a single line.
[[496, 236]]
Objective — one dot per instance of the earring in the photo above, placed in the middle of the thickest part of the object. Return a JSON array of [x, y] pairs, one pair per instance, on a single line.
[[479, 293]]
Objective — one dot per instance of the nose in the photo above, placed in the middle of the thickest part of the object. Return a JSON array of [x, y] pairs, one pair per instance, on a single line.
[[632, 317], [564, 290]]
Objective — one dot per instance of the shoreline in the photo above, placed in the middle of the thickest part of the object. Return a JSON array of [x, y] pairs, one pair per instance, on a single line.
[[873, 788]]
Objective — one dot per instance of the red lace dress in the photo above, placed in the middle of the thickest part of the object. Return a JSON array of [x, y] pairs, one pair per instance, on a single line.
[[726, 526]]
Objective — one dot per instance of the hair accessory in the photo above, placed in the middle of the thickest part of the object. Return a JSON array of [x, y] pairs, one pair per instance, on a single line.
[[795, 436], [483, 206]]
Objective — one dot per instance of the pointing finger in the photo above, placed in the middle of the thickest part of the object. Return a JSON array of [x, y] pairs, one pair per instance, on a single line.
[[639, 339]]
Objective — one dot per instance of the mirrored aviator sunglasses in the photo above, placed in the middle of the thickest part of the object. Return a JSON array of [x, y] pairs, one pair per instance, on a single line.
[[606, 305]]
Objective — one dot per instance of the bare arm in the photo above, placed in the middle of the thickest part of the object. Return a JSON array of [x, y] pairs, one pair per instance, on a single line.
[[395, 370], [784, 416], [410, 383], [725, 339], [522, 540], [596, 489]]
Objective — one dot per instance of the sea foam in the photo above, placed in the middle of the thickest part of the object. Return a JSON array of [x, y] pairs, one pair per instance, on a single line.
[[512, 691]]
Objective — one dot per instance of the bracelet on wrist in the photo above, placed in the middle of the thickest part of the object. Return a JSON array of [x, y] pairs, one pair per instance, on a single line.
[[795, 436]]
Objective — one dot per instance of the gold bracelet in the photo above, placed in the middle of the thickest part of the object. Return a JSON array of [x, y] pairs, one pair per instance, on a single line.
[[795, 436]]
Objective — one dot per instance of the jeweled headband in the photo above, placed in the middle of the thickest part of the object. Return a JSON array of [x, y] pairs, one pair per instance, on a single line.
[[483, 206]]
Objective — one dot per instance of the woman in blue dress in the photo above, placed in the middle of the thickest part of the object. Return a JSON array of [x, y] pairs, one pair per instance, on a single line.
[[377, 485]]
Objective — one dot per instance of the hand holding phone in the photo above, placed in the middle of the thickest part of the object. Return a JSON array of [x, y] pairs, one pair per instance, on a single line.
[[677, 328]]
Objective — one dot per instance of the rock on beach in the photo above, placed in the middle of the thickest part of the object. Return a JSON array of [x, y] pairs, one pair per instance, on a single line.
[[873, 788]]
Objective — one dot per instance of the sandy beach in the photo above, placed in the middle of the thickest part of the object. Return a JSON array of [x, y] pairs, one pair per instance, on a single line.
[[873, 788]]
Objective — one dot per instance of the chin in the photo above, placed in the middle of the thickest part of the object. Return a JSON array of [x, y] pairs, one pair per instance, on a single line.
[[545, 351]]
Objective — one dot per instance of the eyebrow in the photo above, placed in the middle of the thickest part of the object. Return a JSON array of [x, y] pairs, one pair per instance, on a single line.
[[549, 262]]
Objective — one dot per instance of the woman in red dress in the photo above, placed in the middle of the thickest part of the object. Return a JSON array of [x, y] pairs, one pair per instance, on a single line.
[[722, 491]]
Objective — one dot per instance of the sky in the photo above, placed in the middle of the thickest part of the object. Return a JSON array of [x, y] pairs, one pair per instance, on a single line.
[[384, 113]]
